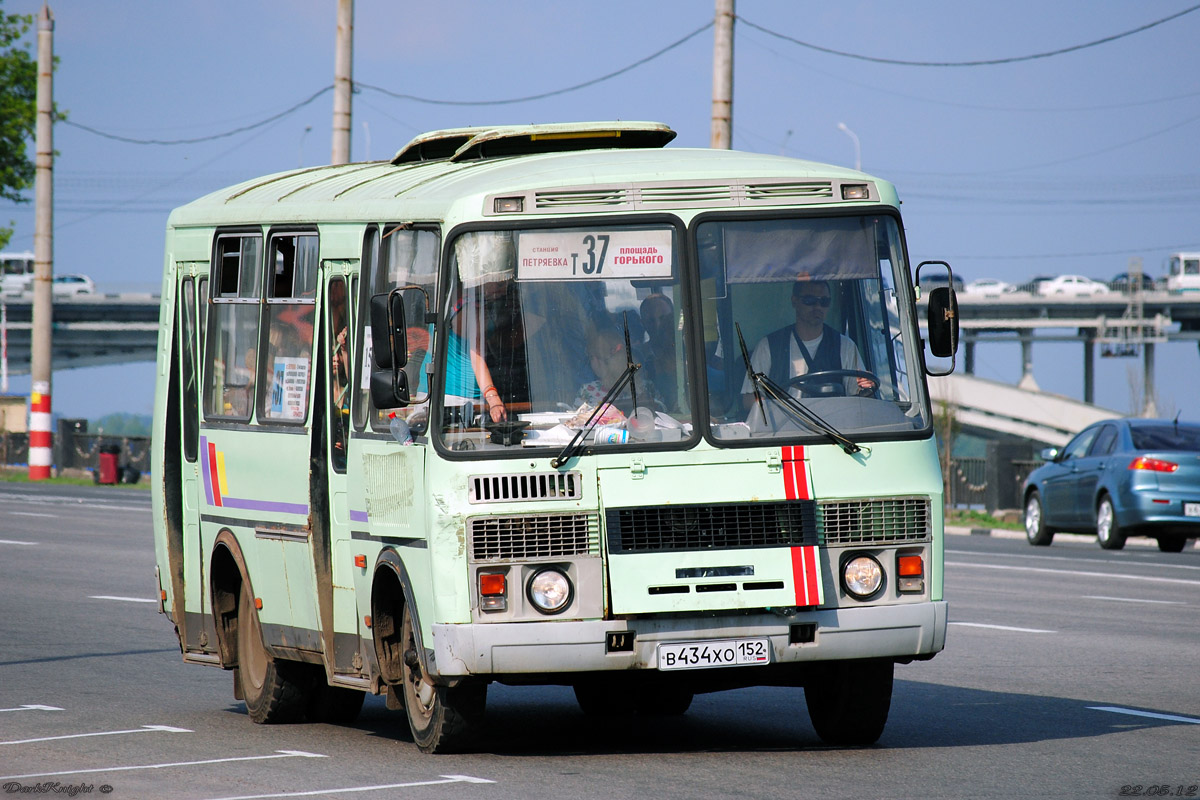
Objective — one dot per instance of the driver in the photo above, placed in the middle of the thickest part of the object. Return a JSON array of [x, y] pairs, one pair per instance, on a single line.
[[808, 346]]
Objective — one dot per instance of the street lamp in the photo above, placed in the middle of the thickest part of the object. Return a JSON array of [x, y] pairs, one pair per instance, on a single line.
[[857, 150]]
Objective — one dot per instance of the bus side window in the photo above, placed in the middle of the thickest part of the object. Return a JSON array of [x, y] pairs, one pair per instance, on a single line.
[[291, 303], [340, 372], [230, 356]]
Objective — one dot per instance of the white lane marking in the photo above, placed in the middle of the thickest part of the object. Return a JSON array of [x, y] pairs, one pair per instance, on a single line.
[[143, 729], [282, 754], [31, 514], [1075, 559], [1075, 573], [1000, 627], [1135, 713], [14, 541], [380, 787], [1133, 600], [32, 708], [125, 599]]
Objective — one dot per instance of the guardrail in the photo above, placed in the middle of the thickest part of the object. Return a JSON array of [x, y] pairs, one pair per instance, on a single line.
[[79, 450]]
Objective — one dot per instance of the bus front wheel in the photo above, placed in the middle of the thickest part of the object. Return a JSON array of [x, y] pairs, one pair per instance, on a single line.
[[442, 719], [848, 701], [275, 691]]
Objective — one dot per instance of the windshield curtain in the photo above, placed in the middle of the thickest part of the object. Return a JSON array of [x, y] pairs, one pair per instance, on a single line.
[[535, 324], [817, 304]]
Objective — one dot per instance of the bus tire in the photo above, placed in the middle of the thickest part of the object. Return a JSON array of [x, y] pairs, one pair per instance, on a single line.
[[442, 719], [335, 705], [848, 701], [274, 691]]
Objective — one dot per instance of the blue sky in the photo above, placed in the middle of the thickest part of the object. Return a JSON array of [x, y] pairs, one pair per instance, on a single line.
[[1067, 164]]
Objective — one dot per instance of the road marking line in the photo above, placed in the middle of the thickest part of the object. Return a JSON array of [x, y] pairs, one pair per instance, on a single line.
[[1133, 600], [32, 708], [13, 541], [1075, 559], [1135, 713], [143, 729], [282, 754], [1076, 573], [380, 787], [126, 599], [1000, 627], [31, 514]]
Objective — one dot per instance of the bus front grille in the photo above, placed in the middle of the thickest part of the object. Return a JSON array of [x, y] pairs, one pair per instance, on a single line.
[[732, 526], [887, 520], [520, 486], [533, 536]]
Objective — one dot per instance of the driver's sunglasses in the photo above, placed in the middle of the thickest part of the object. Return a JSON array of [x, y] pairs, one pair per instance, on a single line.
[[813, 300]]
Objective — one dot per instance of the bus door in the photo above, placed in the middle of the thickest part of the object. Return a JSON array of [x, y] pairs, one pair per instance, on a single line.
[[190, 309], [333, 552]]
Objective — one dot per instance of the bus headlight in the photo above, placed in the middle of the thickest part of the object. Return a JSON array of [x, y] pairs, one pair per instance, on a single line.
[[549, 590], [862, 577]]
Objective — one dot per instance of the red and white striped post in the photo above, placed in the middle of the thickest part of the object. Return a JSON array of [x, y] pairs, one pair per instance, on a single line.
[[41, 439]]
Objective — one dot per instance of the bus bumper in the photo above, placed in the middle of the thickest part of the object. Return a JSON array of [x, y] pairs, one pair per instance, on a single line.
[[900, 631]]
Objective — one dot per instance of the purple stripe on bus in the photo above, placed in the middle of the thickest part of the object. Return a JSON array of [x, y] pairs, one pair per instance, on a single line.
[[358, 516], [204, 473], [265, 505]]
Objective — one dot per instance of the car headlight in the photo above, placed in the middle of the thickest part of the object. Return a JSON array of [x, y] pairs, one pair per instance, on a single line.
[[862, 576], [550, 591]]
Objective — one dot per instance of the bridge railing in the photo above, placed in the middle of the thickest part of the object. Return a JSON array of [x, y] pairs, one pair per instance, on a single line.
[[992, 483], [80, 451]]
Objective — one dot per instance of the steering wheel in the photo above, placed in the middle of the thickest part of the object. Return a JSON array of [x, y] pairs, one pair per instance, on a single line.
[[831, 376]]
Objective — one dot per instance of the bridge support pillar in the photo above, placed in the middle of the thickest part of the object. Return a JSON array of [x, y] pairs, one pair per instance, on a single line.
[[969, 357], [1027, 381], [1089, 369], [1149, 407]]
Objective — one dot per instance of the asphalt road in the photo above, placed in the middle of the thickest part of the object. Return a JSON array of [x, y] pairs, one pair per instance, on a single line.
[[1069, 672]]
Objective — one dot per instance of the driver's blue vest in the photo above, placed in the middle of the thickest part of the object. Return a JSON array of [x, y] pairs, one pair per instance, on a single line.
[[828, 355]]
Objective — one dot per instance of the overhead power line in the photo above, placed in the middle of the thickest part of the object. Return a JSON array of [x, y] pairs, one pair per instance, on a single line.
[[543, 95], [199, 139], [978, 63]]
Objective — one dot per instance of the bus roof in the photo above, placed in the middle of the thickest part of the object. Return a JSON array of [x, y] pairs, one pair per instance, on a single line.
[[435, 182]]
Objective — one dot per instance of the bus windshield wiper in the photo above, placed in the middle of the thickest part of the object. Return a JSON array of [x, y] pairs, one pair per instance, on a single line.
[[626, 378], [763, 385]]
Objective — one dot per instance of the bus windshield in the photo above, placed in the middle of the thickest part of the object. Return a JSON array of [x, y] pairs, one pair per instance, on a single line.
[[814, 303], [538, 323]]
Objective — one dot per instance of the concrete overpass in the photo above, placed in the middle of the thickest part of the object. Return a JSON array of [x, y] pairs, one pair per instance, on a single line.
[[89, 330], [993, 409]]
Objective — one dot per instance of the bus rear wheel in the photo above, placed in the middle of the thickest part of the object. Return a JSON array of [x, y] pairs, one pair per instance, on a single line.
[[275, 691], [442, 719], [848, 701]]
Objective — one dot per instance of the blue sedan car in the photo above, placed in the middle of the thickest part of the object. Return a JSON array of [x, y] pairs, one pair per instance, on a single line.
[[1119, 478]]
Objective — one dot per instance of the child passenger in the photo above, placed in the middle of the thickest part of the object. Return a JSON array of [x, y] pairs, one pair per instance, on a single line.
[[606, 353]]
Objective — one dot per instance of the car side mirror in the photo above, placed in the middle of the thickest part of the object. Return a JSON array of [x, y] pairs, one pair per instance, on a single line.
[[1049, 454]]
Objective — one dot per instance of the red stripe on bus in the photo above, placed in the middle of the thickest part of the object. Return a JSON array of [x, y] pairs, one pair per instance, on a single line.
[[789, 480], [795, 477], [212, 473], [805, 576]]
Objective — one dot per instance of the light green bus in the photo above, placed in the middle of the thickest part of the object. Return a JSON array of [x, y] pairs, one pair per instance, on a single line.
[[484, 413]]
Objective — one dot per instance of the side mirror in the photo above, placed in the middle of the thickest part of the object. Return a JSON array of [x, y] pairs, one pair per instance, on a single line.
[[388, 324], [389, 388], [1049, 454], [943, 322]]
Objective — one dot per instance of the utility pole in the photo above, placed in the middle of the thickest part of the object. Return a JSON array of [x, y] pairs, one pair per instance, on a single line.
[[722, 92], [343, 83], [41, 369]]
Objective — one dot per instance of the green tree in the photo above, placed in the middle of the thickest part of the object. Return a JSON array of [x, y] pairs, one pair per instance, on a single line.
[[18, 111]]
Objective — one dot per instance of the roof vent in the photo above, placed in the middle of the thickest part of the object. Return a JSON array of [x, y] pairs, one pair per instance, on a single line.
[[523, 140]]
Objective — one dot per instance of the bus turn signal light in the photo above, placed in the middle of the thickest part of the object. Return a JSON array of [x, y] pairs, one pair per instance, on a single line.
[[493, 591], [910, 571], [1153, 464]]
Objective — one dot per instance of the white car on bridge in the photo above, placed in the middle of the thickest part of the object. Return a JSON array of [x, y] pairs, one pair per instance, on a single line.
[[1071, 286], [988, 287]]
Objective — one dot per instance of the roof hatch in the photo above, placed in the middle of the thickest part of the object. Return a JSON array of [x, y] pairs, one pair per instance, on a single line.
[[468, 144]]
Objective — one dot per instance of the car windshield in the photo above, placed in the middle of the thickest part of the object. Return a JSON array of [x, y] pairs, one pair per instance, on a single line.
[[815, 302], [542, 325], [1166, 437]]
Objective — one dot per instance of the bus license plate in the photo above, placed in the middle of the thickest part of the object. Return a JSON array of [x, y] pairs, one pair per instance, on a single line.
[[1191, 509], [723, 653]]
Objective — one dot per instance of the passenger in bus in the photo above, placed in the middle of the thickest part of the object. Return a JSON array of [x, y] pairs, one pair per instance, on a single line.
[[606, 354], [467, 373], [658, 318], [808, 345]]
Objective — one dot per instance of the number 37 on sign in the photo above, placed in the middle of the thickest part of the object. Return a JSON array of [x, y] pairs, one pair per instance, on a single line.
[[593, 255]]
